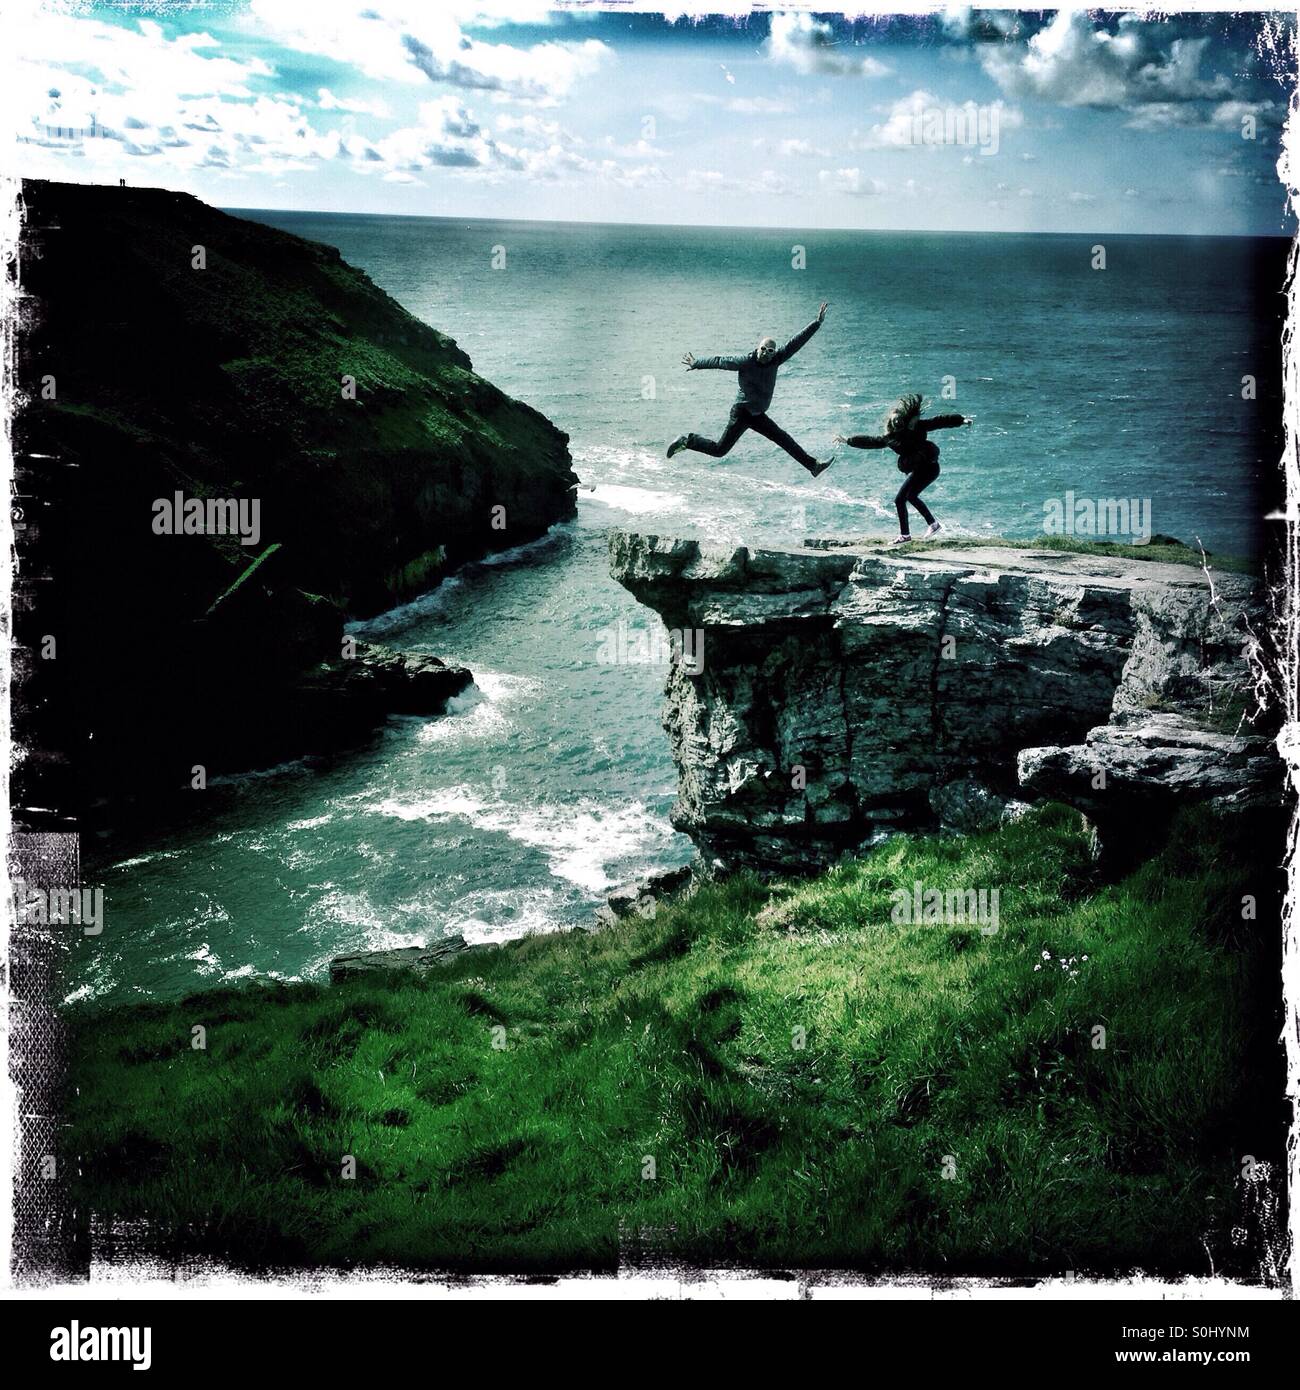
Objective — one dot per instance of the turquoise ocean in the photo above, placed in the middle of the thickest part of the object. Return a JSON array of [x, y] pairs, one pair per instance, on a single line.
[[550, 782]]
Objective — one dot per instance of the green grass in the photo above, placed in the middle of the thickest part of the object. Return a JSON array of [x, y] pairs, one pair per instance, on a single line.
[[675, 1039]]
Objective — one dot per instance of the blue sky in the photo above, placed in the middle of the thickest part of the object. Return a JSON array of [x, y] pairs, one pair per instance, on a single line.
[[986, 120]]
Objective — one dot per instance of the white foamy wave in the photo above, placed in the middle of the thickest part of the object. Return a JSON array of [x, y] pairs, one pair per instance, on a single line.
[[144, 859], [437, 599], [800, 489], [338, 906], [204, 958], [604, 461], [346, 923], [501, 687], [479, 712], [261, 774], [636, 501], [405, 614], [579, 843], [503, 914], [515, 554], [455, 801]]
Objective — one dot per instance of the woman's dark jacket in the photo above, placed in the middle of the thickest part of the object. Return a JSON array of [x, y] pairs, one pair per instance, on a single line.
[[914, 450]]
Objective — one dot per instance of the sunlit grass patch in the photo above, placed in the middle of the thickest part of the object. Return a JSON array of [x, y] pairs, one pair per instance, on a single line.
[[780, 1074]]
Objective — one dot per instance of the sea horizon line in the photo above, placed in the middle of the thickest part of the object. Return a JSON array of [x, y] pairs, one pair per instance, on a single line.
[[757, 227]]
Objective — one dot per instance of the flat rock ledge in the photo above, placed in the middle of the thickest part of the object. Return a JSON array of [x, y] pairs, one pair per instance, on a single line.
[[416, 959]]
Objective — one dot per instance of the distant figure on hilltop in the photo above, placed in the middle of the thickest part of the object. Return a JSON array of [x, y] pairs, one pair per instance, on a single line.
[[906, 434], [757, 372]]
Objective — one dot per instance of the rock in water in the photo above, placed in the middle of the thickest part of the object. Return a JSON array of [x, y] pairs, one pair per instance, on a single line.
[[413, 958], [337, 703], [642, 896], [854, 690]]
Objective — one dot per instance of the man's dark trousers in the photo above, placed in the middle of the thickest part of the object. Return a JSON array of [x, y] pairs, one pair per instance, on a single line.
[[738, 422]]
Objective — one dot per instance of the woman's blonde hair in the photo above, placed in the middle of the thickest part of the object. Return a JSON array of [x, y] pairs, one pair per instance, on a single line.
[[904, 414]]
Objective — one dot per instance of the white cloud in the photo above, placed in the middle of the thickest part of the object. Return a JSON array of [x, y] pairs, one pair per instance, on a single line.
[[135, 92], [1073, 63], [768, 183], [809, 46], [451, 137], [327, 101], [747, 106], [849, 181], [535, 127], [925, 119], [96, 92], [447, 136], [405, 41], [791, 149], [1231, 115], [639, 149]]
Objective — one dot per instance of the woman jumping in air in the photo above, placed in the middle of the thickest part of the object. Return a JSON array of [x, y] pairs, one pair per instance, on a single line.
[[905, 433]]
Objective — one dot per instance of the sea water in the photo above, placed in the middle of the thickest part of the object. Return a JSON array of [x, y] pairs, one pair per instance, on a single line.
[[550, 782]]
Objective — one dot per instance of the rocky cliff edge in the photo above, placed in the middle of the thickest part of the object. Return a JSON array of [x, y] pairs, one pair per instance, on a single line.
[[846, 691]]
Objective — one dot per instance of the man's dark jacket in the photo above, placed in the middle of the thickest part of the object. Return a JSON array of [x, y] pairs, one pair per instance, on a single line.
[[757, 379]]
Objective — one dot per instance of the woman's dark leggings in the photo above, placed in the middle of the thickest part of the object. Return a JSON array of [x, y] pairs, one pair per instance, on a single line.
[[917, 481]]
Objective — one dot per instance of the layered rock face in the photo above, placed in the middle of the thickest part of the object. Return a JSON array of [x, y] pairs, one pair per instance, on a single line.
[[848, 691]]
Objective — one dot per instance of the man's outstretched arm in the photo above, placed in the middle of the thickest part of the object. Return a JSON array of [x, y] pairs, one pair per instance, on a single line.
[[788, 351], [717, 364]]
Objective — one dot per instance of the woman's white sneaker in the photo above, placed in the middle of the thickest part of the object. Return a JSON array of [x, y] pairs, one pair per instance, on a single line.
[[900, 540], [933, 529]]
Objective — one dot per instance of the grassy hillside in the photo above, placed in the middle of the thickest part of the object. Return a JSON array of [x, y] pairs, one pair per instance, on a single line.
[[501, 1113], [227, 379], [168, 347]]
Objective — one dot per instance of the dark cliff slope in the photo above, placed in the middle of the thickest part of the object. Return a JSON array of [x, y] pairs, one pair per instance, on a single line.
[[226, 382]]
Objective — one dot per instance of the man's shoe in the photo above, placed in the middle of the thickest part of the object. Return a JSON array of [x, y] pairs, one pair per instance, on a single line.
[[933, 529], [677, 445], [819, 468], [900, 540]]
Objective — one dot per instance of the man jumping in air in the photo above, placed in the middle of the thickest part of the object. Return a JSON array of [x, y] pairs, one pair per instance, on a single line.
[[757, 371]]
